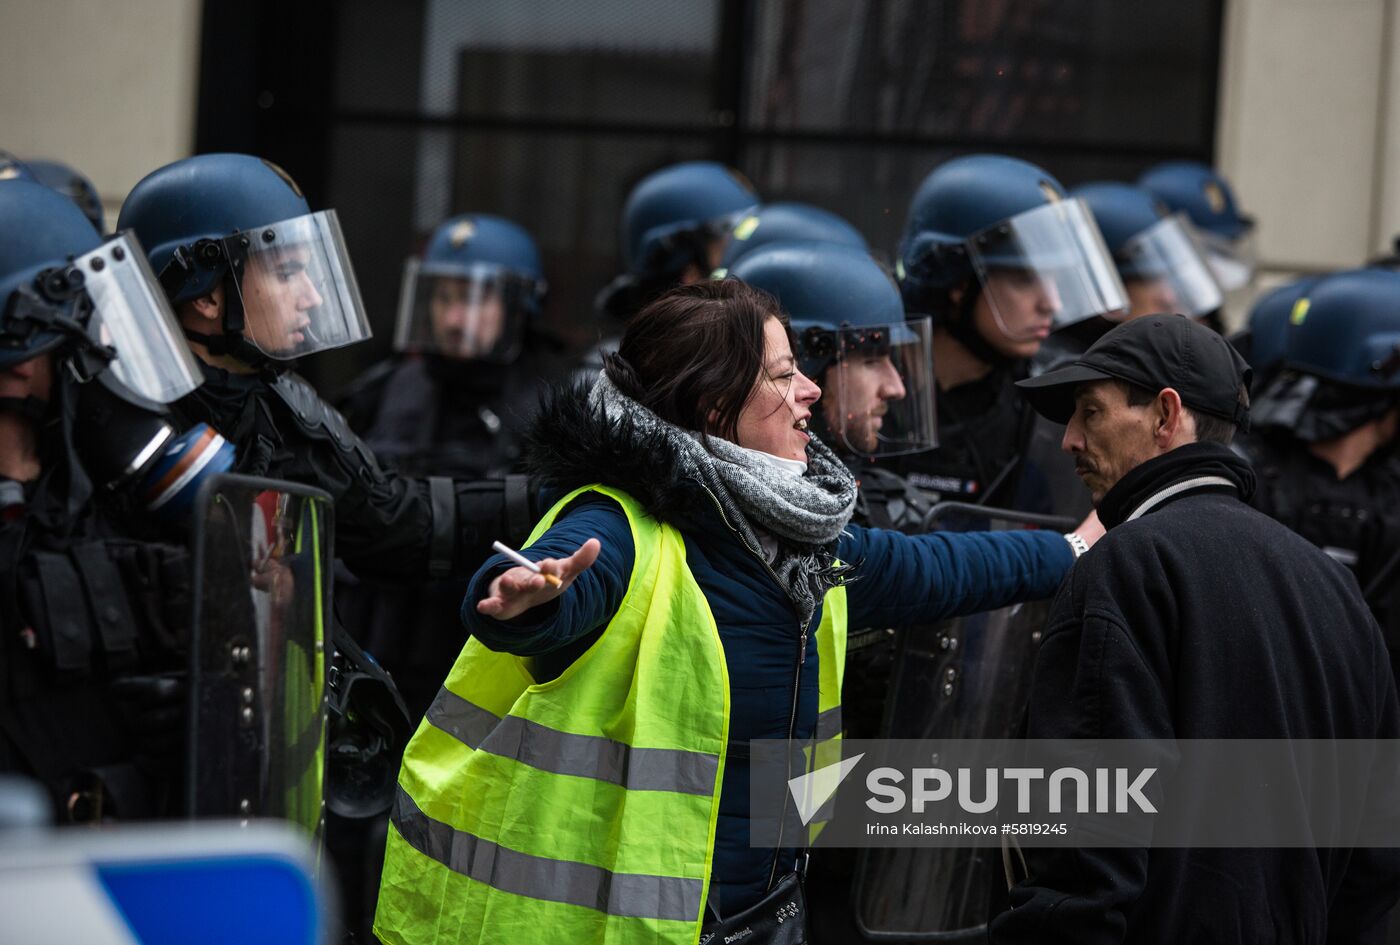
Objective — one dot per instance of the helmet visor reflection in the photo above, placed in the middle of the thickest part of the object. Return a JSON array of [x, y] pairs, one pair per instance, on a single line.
[[878, 395], [297, 287], [470, 313], [1045, 269], [131, 315]]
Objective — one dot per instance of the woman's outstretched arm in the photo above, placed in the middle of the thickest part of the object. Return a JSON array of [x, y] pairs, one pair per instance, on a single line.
[[901, 579], [589, 548]]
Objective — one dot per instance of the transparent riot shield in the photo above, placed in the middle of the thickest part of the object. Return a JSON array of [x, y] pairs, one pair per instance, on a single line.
[[259, 651], [1065, 491], [962, 678]]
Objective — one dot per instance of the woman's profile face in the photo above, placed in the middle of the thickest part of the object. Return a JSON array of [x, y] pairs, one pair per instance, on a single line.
[[775, 419]]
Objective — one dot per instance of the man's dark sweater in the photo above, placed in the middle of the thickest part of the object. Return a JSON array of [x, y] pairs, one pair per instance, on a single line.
[[1197, 617]]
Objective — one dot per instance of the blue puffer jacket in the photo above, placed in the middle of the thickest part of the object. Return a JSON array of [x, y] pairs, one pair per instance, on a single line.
[[896, 580]]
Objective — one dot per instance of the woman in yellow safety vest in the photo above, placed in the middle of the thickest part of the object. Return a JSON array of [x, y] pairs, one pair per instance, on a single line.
[[583, 774]]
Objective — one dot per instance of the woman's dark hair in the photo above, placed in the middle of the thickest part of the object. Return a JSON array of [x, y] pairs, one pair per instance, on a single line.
[[696, 350]]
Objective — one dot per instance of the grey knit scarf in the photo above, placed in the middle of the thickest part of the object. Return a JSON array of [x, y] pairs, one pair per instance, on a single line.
[[805, 515]]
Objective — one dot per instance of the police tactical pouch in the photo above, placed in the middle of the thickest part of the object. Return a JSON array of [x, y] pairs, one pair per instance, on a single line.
[[779, 918], [369, 727]]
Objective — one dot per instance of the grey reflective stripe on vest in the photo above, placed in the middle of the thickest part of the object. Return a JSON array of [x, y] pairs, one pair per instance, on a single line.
[[632, 895], [586, 756], [829, 724]]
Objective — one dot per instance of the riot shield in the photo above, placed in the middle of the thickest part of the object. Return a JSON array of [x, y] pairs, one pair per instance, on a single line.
[[259, 651], [1067, 494], [962, 678]]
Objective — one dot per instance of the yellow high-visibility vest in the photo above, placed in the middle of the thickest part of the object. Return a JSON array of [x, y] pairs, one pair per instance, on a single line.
[[581, 809]]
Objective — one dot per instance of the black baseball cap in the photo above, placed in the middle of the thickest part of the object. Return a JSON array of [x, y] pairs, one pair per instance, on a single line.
[[1154, 351]]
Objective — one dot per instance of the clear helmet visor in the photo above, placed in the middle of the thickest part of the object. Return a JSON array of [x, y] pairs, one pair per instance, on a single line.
[[131, 315], [878, 389], [297, 287], [1045, 269], [1232, 262], [1164, 270], [469, 313]]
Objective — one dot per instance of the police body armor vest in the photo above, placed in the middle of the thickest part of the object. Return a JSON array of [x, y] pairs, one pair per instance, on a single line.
[[581, 809], [983, 429]]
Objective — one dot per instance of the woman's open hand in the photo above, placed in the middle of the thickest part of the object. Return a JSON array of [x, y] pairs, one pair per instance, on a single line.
[[515, 591]]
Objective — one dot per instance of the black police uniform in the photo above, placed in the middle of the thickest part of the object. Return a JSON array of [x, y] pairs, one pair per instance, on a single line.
[[95, 629], [884, 500], [1355, 520], [434, 416], [388, 526], [389, 529], [984, 427], [431, 415]]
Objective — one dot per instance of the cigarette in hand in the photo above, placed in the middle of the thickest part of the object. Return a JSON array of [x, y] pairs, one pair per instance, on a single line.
[[524, 562]]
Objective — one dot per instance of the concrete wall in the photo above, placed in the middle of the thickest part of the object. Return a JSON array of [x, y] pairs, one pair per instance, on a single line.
[[1309, 130], [108, 88]]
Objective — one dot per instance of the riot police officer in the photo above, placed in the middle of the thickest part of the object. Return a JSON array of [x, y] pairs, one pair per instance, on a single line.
[[873, 366], [94, 611], [470, 359], [471, 366], [673, 229], [998, 255], [1226, 233], [1156, 252], [1327, 427], [257, 280], [1157, 257]]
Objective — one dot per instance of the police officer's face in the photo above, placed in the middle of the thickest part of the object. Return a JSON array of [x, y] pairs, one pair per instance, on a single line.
[[1150, 297], [468, 317], [32, 378], [1022, 314], [1106, 436], [774, 421], [278, 293], [858, 392]]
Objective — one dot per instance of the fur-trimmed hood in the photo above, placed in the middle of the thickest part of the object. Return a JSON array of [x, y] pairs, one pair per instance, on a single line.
[[572, 442]]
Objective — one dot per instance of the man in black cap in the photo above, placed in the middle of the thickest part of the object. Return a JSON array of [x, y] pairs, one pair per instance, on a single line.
[[1195, 617]]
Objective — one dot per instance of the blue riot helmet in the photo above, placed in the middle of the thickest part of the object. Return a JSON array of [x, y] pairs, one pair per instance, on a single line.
[[472, 293], [241, 224], [674, 223], [1341, 356], [874, 366], [785, 222], [1159, 260], [1206, 198], [72, 184], [96, 307], [12, 168], [1005, 230], [673, 215], [1264, 338]]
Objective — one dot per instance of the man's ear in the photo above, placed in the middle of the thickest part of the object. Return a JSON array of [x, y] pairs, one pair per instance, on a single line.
[[1170, 418], [208, 307]]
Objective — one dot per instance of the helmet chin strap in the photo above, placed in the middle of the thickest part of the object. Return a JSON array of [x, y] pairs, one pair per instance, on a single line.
[[961, 325], [232, 343]]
